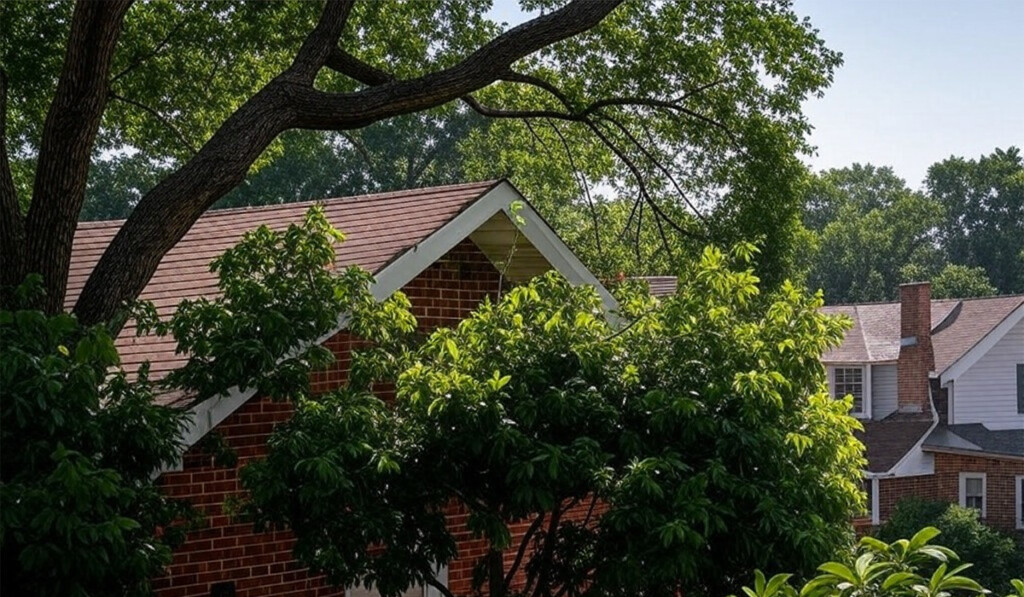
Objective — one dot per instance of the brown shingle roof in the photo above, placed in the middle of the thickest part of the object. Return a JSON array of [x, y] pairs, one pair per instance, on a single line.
[[957, 325], [378, 228]]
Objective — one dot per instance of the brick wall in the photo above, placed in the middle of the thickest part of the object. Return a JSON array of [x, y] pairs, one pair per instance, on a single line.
[[261, 563], [944, 485], [916, 357]]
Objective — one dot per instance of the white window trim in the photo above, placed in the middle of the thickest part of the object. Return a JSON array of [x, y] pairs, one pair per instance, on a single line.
[[984, 490], [1018, 485], [866, 379]]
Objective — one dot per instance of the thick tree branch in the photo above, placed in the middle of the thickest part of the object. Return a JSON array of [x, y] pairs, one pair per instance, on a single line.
[[165, 214], [350, 66], [66, 144], [320, 110], [12, 224]]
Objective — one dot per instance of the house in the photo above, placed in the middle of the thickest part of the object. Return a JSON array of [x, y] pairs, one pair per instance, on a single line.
[[446, 248], [939, 387]]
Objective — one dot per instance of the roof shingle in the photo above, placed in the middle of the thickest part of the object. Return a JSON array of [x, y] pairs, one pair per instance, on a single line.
[[378, 229]]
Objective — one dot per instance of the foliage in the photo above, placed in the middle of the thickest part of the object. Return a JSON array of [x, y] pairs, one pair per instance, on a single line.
[[695, 431], [79, 442], [983, 200], [960, 281], [997, 557], [708, 168], [871, 232], [906, 567], [862, 254]]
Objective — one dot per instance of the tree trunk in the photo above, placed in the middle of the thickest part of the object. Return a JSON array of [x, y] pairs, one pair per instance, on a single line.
[[66, 147]]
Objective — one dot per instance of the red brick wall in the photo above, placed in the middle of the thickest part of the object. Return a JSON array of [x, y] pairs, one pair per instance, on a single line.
[[944, 485], [917, 360], [261, 563]]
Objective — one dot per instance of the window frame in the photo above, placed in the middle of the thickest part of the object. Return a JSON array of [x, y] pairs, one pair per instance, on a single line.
[[865, 369], [1018, 484], [1020, 388], [964, 476]]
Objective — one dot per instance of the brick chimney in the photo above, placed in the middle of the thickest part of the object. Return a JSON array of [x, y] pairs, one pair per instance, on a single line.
[[916, 358]]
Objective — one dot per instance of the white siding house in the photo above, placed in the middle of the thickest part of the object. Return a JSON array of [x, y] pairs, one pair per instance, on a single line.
[[986, 392], [883, 391]]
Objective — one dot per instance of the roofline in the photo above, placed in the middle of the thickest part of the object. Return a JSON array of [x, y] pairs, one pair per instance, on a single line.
[[982, 346], [974, 453], [401, 270]]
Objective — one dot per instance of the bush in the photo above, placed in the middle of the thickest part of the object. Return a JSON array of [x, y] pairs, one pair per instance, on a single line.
[[904, 568], [997, 556]]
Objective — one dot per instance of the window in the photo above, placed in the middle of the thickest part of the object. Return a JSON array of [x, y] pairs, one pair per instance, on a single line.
[[972, 491], [441, 575], [1020, 388], [1020, 501], [850, 380]]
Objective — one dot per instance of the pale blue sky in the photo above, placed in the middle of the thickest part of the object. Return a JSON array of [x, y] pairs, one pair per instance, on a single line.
[[921, 80]]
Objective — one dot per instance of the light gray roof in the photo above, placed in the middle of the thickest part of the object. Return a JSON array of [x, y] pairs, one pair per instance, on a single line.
[[975, 437], [957, 325]]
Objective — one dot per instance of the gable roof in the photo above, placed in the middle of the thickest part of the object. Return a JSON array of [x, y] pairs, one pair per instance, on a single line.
[[393, 235], [957, 326], [378, 229]]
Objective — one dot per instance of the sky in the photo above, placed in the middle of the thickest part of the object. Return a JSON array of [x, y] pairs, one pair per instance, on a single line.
[[922, 80]]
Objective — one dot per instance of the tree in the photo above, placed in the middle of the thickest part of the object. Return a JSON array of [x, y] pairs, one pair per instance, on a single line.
[[997, 557], [79, 513], [959, 281], [865, 252], [906, 567], [983, 201], [671, 94], [667, 456], [81, 439]]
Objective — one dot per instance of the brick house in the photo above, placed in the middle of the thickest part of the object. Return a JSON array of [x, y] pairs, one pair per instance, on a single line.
[[939, 387], [446, 248]]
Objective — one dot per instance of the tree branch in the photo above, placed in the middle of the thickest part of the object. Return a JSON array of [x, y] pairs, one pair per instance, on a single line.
[[523, 545], [139, 61], [65, 149], [165, 213], [321, 110]]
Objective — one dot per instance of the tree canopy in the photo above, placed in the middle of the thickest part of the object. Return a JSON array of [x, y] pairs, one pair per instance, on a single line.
[[869, 231], [688, 438], [689, 110]]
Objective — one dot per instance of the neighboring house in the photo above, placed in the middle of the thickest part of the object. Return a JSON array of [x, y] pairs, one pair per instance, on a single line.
[[446, 248], [939, 386]]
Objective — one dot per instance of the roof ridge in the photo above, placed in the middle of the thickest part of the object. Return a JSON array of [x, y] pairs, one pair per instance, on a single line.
[[226, 211], [934, 300]]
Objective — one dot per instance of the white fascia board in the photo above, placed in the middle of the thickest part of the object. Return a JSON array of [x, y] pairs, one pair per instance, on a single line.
[[210, 413], [972, 356]]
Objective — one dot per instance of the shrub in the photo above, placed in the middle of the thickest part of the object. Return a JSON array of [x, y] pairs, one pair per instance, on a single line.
[[997, 556], [903, 568]]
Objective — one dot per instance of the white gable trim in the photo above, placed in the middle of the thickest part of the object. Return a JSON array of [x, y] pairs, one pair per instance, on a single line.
[[210, 413], [972, 356]]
